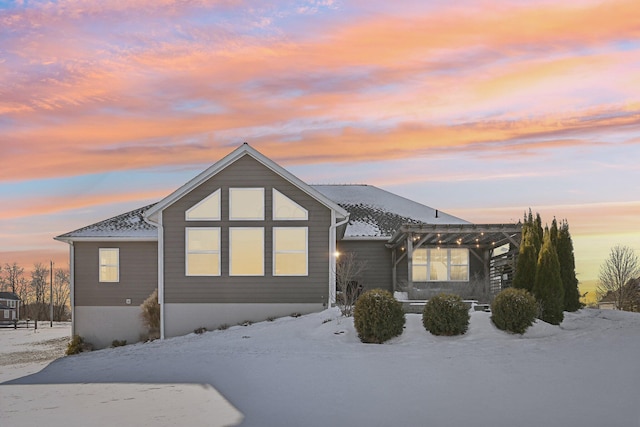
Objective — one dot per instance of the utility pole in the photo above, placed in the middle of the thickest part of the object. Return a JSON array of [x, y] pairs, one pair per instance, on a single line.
[[51, 296]]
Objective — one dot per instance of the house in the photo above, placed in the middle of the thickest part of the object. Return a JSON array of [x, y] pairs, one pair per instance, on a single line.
[[9, 307], [246, 240], [629, 295]]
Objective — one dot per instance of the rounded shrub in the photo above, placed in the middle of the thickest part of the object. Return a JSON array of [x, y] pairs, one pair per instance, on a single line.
[[446, 314], [514, 310], [378, 316]]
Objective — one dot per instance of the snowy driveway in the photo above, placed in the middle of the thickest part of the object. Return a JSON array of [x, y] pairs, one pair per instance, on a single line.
[[313, 371]]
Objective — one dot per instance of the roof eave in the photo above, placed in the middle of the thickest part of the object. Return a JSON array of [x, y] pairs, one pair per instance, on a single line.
[[244, 149]]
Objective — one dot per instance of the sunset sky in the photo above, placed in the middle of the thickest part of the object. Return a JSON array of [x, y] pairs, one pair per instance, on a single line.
[[479, 108]]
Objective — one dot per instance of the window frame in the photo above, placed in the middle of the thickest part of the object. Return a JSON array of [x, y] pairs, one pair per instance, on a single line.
[[217, 194], [231, 273], [187, 252], [274, 215], [116, 265], [233, 190], [449, 265], [305, 251]]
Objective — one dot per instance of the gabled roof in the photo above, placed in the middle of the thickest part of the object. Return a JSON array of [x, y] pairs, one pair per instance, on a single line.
[[9, 296], [377, 213], [129, 225], [244, 150]]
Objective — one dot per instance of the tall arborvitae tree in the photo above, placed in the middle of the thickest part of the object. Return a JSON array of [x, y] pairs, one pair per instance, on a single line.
[[564, 247], [547, 287], [538, 227], [553, 232], [527, 260]]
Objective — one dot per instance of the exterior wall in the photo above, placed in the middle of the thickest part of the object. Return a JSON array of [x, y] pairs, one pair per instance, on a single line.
[[181, 319], [138, 275], [267, 289], [101, 325], [426, 290], [377, 273]]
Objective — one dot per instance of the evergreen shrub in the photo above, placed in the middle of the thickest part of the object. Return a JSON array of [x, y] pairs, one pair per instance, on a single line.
[[118, 343], [446, 314], [378, 316], [514, 310]]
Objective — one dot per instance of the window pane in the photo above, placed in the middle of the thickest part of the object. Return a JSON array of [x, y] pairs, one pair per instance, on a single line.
[[203, 264], [294, 264], [208, 208], [246, 250], [109, 264], [108, 274], [203, 239], [460, 273], [202, 255], [286, 209], [290, 239], [290, 251], [438, 270], [459, 256], [420, 256], [246, 203], [108, 256], [419, 273]]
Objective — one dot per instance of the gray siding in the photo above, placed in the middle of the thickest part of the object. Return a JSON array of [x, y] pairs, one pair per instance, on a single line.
[[377, 272], [246, 172], [138, 274]]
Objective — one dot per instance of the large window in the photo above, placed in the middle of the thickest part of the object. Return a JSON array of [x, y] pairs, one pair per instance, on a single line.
[[246, 251], [109, 260], [290, 251], [207, 209], [202, 256], [246, 203], [286, 209], [440, 265]]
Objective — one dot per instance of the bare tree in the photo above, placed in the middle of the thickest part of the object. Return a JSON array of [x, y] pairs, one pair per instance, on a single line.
[[39, 282], [12, 273], [23, 290], [618, 270], [60, 294], [348, 273]]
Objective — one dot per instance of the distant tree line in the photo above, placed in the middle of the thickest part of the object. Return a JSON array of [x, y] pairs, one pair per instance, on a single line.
[[34, 290], [546, 267]]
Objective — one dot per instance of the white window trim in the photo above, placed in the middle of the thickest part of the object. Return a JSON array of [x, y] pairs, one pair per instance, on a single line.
[[273, 208], [216, 218], [233, 189], [306, 251], [187, 252], [231, 252], [117, 265], [449, 265]]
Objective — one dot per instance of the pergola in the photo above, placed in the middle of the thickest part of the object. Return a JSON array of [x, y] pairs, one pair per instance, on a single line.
[[482, 238]]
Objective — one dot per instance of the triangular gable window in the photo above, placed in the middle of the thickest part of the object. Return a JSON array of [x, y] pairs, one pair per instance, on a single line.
[[206, 209], [286, 209]]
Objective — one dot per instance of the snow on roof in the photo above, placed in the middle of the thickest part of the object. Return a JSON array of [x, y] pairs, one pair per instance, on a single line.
[[375, 212], [126, 225]]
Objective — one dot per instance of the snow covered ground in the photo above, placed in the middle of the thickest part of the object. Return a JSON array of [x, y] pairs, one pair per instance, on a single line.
[[313, 371]]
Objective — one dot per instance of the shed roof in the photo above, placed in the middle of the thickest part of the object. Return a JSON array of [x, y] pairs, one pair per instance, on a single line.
[[9, 296]]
